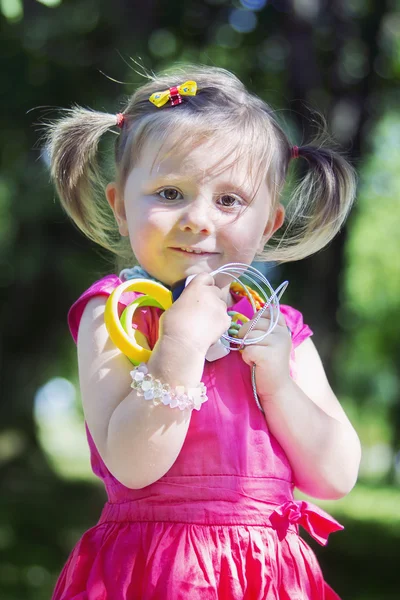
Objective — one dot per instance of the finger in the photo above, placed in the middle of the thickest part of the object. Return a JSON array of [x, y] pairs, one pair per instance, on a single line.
[[282, 320], [202, 279], [282, 323], [207, 279], [262, 326], [253, 334]]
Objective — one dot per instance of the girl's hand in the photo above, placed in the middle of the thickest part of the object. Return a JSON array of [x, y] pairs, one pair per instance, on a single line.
[[199, 317], [271, 356]]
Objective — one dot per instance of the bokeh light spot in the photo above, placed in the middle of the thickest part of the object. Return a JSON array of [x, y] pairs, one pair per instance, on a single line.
[[50, 3], [273, 53], [306, 9], [242, 20], [12, 9], [61, 429], [162, 43], [227, 37], [253, 4], [36, 575], [12, 443], [54, 400]]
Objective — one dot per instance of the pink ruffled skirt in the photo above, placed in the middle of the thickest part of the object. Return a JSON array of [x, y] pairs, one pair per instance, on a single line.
[[129, 555]]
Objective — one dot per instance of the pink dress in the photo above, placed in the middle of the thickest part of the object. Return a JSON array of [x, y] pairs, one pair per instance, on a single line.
[[222, 522]]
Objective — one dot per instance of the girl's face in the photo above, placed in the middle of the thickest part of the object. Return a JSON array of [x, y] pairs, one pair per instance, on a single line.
[[181, 204]]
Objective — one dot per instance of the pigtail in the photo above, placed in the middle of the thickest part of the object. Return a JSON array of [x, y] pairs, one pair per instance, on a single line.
[[319, 203], [72, 143]]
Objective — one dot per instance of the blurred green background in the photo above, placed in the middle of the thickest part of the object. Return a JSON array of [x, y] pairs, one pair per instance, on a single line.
[[341, 58]]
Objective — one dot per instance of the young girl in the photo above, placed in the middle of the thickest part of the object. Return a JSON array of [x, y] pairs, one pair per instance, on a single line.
[[200, 502]]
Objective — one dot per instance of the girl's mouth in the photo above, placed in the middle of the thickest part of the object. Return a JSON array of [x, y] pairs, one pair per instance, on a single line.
[[193, 253]]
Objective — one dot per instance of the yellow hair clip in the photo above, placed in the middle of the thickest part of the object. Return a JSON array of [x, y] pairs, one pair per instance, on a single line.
[[189, 88]]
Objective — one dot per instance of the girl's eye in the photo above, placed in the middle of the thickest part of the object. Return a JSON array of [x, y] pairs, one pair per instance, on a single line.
[[170, 193], [229, 201]]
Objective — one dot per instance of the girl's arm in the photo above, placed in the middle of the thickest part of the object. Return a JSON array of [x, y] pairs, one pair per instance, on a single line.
[[138, 441], [309, 423]]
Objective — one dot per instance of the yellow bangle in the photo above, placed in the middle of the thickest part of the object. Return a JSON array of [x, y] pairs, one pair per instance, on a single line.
[[120, 330]]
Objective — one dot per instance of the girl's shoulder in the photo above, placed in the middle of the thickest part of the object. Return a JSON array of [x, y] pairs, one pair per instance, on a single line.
[[102, 287]]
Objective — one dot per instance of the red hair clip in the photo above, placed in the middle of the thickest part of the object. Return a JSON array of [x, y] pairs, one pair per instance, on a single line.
[[295, 152]]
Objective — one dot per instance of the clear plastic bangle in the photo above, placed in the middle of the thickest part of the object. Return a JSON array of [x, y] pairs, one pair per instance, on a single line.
[[162, 393]]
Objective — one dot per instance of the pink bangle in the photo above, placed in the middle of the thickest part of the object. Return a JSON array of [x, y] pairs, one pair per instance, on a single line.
[[162, 393]]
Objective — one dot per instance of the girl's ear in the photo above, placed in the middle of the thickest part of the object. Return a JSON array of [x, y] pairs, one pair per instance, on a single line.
[[274, 223], [117, 205]]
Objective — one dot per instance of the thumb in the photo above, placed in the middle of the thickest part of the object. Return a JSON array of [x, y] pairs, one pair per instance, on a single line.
[[201, 279], [246, 356]]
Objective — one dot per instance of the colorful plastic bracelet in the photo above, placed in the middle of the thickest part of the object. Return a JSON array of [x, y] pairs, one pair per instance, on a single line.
[[120, 329], [237, 321]]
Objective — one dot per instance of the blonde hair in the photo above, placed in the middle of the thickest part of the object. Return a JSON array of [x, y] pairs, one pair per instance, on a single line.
[[318, 204]]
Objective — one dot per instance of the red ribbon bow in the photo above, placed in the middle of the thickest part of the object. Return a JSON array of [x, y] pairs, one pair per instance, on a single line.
[[314, 520]]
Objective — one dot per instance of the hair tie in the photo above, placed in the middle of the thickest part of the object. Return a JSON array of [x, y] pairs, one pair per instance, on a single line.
[[120, 120], [295, 152]]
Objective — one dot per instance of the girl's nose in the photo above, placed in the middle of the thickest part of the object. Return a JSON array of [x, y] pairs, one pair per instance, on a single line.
[[196, 218]]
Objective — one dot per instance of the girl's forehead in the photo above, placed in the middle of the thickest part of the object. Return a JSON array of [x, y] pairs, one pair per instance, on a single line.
[[203, 160]]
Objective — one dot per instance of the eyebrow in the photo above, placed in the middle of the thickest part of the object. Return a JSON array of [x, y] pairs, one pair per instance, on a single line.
[[170, 176]]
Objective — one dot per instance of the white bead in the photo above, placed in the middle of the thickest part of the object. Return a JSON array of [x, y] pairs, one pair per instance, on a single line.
[[157, 388], [194, 393], [166, 398], [183, 401], [174, 402]]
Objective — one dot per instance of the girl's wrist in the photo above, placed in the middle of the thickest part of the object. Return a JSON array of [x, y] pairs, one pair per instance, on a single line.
[[183, 345], [176, 362], [284, 389]]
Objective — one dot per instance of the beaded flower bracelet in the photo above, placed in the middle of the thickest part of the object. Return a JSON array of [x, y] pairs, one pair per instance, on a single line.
[[162, 393]]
